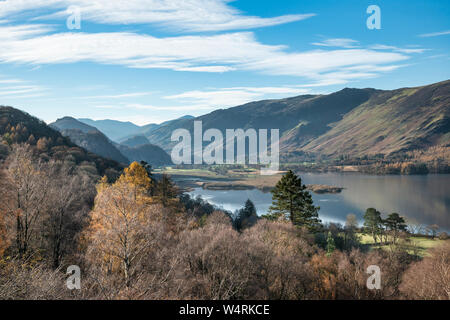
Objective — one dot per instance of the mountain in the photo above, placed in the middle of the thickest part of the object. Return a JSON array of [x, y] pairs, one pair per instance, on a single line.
[[351, 122], [71, 123], [113, 129], [310, 115], [149, 153], [89, 138], [134, 141], [17, 126], [147, 130], [391, 122], [120, 131], [136, 148]]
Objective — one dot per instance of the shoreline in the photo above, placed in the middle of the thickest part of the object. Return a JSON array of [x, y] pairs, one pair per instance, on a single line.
[[262, 183]]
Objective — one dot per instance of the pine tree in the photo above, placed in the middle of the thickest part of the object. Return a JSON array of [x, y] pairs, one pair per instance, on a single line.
[[396, 224], [166, 189], [331, 246], [249, 209], [372, 222], [291, 199], [149, 169], [246, 216]]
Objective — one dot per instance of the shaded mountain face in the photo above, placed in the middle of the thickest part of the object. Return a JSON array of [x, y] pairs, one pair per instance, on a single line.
[[72, 123], [114, 130], [134, 141], [96, 142], [89, 138], [19, 127], [136, 148], [149, 153]]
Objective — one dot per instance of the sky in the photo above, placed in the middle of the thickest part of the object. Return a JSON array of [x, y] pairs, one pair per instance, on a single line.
[[148, 61]]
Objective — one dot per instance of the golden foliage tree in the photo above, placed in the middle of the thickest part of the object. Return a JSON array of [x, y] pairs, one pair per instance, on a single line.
[[122, 224], [137, 176]]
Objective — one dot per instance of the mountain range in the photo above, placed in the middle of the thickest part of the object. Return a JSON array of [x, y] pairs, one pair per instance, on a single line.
[[92, 139], [18, 127], [350, 122]]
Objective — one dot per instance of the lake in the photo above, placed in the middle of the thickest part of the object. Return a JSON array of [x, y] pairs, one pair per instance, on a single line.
[[423, 199]]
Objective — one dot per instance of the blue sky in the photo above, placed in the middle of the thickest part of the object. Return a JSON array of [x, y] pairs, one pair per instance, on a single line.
[[148, 61]]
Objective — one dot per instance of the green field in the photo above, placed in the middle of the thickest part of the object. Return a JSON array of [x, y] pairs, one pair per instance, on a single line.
[[414, 245]]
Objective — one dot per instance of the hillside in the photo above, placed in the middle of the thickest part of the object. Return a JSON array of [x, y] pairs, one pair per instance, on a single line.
[[390, 122], [114, 130], [136, 148], [89, 138], [68, 123], [19, 127], [134, 141], [149, 153], [308, 116], [350, 122]]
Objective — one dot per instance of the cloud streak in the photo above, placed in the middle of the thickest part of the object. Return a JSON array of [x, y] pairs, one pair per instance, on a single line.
[[434, 34], [228, 97], [178, 15], [337, 42], [200, 53]]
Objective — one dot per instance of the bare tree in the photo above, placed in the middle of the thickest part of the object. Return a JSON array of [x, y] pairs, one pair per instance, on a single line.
[[68, 196], [25, 191], [433, 229], [429, 278]]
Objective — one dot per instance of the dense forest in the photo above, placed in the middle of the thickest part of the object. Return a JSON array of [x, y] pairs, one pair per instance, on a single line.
[[136, 236]]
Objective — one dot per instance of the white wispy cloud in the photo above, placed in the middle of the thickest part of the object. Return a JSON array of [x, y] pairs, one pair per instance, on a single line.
[[228, 97], [434, 34], [209, 99], [9, 81], [18, 88], [181, 15], [200, 53], [117, 96], [397, 49], [337, 42]]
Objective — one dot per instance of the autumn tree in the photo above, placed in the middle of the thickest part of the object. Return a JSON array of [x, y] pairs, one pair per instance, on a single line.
[[138, 177], [430, 277], [290, 198], [123, 221], [24, 192]]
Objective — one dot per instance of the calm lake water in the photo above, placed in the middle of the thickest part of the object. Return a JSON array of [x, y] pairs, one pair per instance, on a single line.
[[421, 199]]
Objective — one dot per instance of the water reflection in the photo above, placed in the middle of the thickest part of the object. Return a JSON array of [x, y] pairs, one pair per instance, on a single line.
[[422, 199]]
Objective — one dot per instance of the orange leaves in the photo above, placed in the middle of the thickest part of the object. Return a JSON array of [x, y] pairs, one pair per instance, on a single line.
[[121, 223], [137, 175]]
